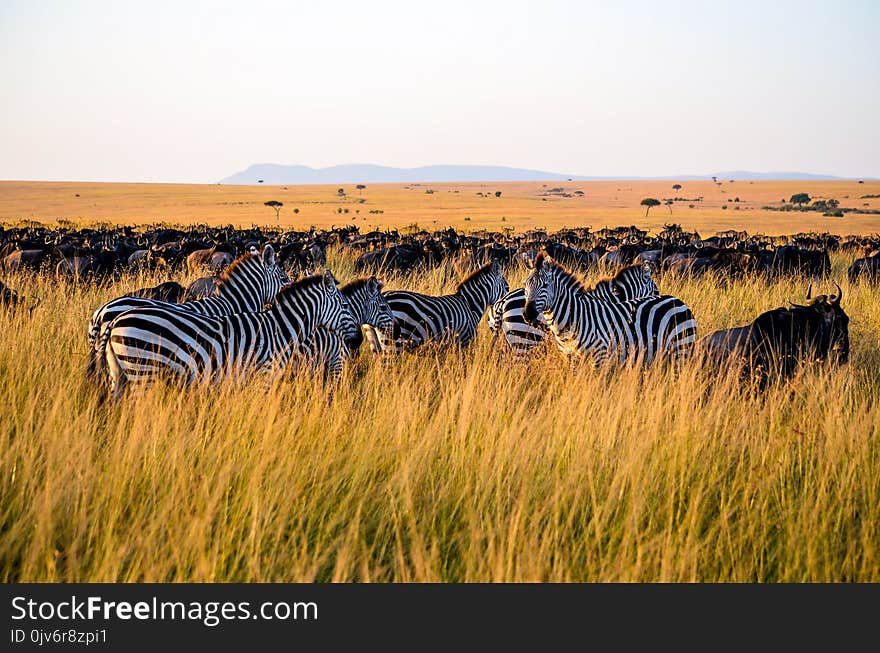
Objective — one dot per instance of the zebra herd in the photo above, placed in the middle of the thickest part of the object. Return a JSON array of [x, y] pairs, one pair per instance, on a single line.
[[260, 324]]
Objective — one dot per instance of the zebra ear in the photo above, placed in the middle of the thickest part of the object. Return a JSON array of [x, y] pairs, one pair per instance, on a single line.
[[268, 256], [329, 281], [374, 285]]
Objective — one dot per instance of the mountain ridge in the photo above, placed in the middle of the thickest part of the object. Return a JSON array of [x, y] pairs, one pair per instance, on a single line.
[[279, 174]]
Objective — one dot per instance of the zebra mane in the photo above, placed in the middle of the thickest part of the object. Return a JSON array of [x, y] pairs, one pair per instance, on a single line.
[[231, 269], [568, 278], [476, 274]]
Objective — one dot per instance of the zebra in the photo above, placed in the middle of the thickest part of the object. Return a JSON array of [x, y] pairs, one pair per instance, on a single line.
[[506, 315], [419, 319], [601, 330], [325, 352], [369, 307], [148, 342], [248, 284]]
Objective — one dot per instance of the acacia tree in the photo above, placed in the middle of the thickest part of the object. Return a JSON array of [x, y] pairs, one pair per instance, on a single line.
[[360, 188], [649, 202], [676, 187], [277, 206], [799, 198]]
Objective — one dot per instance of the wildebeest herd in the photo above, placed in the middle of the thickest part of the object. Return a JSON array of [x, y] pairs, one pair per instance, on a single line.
[[260, 309]]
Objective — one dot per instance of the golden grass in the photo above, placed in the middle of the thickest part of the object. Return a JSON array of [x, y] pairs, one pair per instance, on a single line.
[[522, 206], [446, 466]]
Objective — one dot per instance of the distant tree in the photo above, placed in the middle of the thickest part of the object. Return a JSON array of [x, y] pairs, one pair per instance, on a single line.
[[676, 187], [649, 202], [360, 187], [715, 179], [669, 204], [497, 193], [277, 206], [259, 181], [341, 192], [799, 198], [296, 211]]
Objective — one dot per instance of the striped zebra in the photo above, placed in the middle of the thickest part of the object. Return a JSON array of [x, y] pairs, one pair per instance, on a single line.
[[248, 284], [326, 352], [369, 307], [419, 318], [506, 315], [601, 330], [145, 343], [323, 353]]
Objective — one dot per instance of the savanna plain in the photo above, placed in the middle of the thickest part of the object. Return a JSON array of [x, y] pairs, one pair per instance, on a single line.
[[449, 465]]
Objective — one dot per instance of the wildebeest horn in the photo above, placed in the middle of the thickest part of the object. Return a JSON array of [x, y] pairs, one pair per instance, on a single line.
[[836, 299], [809, 291]]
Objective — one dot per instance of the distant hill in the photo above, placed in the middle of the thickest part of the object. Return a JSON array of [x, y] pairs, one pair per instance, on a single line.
[[276, 174]]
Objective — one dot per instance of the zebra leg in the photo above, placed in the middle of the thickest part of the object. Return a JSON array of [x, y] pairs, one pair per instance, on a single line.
[[117, 379]]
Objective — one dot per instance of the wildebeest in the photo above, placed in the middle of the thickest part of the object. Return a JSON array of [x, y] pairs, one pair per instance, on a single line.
[[169, 291], [868, 267], [11, 299], [779, 340], [214, 259], [201, 288]]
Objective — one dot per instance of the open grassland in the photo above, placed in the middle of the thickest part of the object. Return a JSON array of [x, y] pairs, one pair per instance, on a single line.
[[471, 206], [445, 466]]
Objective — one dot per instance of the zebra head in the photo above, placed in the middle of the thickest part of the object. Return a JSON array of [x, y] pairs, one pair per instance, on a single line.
[[335, 311], [252, 280], [368, 304], [541, 287], [634, 282], [275, 276]]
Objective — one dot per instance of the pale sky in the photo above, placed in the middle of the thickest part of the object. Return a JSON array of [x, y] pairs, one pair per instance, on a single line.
[[195, 91]]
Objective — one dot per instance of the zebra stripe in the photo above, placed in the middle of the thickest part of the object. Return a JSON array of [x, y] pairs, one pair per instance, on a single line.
[[146, 342], [247, 285], [602, 330], [506, 315], [419, 318]]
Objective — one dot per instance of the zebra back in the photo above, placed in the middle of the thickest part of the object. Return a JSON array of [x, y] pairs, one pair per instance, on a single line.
[[422, 318]]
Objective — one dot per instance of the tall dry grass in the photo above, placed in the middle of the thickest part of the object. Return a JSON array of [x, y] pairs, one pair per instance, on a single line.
[[446, 466]]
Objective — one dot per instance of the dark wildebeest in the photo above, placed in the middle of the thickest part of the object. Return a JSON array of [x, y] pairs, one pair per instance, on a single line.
[[169, 291], [25, 259], [201, 288], [777, 341], [868, 267], [10, 298]]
